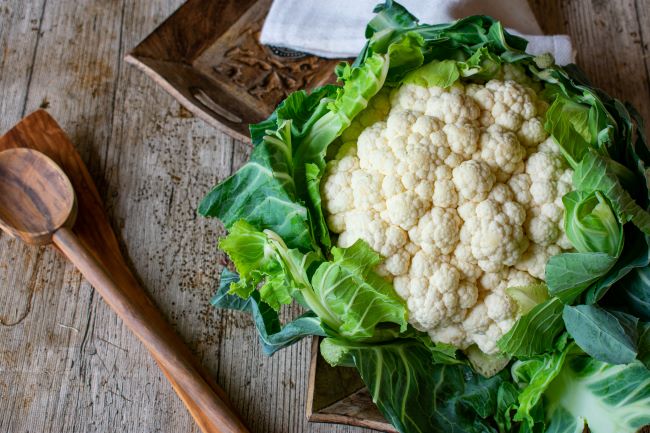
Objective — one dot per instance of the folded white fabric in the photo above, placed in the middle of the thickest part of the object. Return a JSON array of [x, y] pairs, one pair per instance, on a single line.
[[335, 28]]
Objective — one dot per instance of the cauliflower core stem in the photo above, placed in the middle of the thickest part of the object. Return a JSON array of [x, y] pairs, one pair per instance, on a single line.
[[460, 190]]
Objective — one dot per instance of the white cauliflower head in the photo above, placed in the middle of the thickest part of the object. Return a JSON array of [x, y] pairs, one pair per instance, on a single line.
[[459, 190]]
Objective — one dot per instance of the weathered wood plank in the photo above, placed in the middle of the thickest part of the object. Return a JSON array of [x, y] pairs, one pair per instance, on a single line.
[[75, 379], [642, 11], [69, 364], [19, 36], [607, 37]]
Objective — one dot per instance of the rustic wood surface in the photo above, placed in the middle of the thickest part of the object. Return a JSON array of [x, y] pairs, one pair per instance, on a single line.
[[67, 364]]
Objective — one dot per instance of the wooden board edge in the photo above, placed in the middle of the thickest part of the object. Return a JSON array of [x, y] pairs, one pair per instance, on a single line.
[[311, 384], [198, 111], [329, 418], [195, 39]]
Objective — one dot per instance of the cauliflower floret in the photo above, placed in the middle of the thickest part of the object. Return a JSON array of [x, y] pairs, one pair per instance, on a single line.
[[339, 175], [532, 132], [440, 298], [499, 239], [367, 191], [512, 104], [444, 194], [373, 151], [462, 139], [520, 186], [391, 185], [542, 230], [382, 237], [473, 180], [453, 108], [466, 263], [411, 97], [454, 335], [460, 190], [501, 150], [437, 232], [534, 259], [405, 209], [499, 306]]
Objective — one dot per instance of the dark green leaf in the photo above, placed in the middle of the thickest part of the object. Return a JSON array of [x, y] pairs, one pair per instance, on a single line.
[[506, 403], [633, 292], [263, 193], [418, 396], [273, 336], [643, 343], [636, 254], [600, 334]]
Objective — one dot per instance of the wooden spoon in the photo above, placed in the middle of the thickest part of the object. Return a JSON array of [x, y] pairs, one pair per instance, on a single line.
[[38, 205]]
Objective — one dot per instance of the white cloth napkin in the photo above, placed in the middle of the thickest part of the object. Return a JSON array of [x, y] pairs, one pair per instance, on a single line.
[[335, 28]]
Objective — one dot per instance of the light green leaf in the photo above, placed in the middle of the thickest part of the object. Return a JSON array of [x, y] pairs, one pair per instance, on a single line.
[[361, 84], [536, 374], [609, 398], [594, 174], [527, 297], [405, 55], [436, 73], [265, 263], [535, 332], [353, 292], [569, 274], [590, 224], [313, 175], [568, 122], [482, 65]]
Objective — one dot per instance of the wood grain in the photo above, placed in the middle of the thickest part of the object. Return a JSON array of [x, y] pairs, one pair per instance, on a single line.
[[66, 362], [36, 197], [38, 204]]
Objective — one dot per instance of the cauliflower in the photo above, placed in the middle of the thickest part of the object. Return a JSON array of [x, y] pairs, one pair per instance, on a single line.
[[460, 190]]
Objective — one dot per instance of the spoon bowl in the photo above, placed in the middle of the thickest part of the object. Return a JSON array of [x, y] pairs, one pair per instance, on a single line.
[[36, 197]]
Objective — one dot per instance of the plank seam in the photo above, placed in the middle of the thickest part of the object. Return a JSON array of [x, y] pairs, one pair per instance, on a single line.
[[641, 36], [118, 77], [31, 69]]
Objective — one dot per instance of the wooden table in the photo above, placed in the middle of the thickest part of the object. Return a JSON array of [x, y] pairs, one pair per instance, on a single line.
[[67, 364]]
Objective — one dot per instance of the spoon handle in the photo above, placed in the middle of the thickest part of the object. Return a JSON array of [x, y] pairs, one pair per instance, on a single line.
[[147, 323]]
